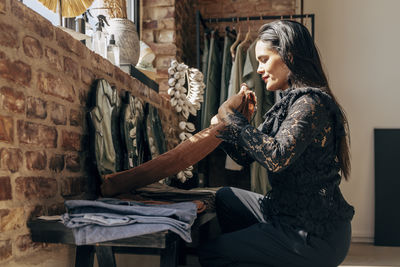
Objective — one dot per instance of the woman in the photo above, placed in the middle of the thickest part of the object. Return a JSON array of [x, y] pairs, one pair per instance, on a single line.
[[303, 142]]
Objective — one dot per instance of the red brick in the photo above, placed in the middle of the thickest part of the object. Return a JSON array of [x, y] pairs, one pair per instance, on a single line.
[[72, 163], [163, 49], [6, 129], [32, 47], [71, 68], [163, 87], [36, 211], [165, 36], [102, 64], [150, 24], [56, 163], [32, 21], [5, 188], [158, 13], [2, 6], [71, 140], [36, 108], [15, 71], [12, 219], [83, 97], [33, 188], [8, 35], [31, 133], [12, 100], [35, 160], [163, 62], [10, 159], [5, 249], [152, 3], [56, 209], [284, 5], [58, 114], [168, 24], [56, 86], [119, 75], [163, 73], [24, 242], [70, 44], [154, 97], [72, 186], [148, 36], [53, 58], [76, 118], [88, 76]]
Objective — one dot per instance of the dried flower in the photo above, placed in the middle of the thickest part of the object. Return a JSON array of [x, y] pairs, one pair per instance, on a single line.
[[116, 8]]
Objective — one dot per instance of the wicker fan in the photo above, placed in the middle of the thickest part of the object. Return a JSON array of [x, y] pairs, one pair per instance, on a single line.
[[67, 8]]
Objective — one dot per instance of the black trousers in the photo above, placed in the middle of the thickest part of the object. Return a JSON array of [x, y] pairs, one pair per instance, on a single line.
[[247, 240]]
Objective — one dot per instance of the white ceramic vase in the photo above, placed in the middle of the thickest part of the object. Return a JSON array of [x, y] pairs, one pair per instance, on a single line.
[[126, 38]]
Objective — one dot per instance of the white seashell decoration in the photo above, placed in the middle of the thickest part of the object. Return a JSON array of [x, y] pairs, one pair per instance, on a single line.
[[187, 93]]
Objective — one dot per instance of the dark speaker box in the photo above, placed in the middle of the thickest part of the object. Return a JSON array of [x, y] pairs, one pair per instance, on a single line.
[[387, 187]]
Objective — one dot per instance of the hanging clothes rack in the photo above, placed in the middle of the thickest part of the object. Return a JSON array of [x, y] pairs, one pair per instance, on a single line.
[[202, 21]]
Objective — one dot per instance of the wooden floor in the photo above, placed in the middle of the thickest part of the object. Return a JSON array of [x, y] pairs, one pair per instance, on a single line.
[[360, 255]]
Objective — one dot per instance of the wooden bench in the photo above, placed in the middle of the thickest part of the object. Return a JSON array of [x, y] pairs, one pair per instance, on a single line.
[[164, 243]]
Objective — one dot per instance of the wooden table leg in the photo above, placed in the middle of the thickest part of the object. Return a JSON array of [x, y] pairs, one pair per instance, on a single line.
[[105, 256], [168, 256], [84, 256]]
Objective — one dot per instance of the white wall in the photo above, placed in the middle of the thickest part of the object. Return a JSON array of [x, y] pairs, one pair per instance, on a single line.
[[359, 41]]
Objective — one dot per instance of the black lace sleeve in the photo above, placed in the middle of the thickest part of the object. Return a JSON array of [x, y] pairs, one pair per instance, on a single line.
[[230, 136], [306, 118]]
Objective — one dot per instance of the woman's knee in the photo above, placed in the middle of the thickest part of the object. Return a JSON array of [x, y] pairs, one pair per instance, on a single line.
[[223, 194]]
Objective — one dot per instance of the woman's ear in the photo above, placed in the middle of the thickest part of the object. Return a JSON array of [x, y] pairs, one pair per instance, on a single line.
[[290, 57]]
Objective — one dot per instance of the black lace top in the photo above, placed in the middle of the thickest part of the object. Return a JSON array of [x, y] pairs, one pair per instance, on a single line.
[[297, 143]]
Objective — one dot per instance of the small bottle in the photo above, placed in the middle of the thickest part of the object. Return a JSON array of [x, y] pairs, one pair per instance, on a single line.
[[113, 51], [99, 44]]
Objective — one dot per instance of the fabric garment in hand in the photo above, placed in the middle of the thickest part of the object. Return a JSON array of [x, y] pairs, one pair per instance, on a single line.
[[213, 82], [298, 143], [104, 122], [111, 219], [265, 99], [249, 240], [133, 131]]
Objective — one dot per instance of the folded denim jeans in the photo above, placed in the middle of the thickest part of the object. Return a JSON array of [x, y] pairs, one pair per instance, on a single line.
[[110, 219]]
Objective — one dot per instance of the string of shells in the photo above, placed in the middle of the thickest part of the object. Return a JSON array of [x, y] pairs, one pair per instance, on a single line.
[[186, 89]]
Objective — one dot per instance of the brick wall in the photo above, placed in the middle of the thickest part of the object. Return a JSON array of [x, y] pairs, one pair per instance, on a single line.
[[186, 31], [159, 32], [45, 77], [244, 8]]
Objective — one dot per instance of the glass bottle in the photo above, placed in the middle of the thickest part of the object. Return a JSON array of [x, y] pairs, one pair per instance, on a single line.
[[99, 38], [113, 51]]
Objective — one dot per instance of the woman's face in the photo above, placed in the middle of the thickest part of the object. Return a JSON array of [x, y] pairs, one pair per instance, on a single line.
[[271, 67]]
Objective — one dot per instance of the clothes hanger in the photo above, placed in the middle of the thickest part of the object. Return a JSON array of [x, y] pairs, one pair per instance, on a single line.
[[233, 46], [247, 37]]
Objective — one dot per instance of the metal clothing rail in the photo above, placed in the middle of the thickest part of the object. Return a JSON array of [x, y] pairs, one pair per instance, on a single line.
[[199, 19]]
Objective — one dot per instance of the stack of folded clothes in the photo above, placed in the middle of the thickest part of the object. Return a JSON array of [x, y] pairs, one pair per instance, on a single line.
[[101, 220]]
